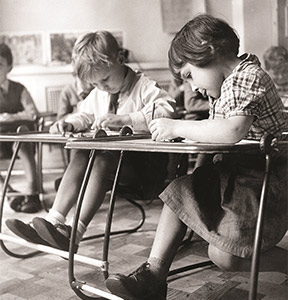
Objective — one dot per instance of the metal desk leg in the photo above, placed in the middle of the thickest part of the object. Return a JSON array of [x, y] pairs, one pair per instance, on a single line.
[[4, 191], [39, 153], [76, 285], [259, 230]]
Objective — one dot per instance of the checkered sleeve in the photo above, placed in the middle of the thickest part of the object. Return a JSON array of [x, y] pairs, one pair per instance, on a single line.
[[243, 93]]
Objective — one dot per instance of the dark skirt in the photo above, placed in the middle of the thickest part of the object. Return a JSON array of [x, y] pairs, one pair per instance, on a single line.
[[220, 201]]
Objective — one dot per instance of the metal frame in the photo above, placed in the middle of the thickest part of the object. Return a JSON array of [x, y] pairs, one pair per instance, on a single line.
[[266, 146]]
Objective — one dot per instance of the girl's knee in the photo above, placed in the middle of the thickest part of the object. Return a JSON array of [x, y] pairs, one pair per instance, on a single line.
[[224, 260]]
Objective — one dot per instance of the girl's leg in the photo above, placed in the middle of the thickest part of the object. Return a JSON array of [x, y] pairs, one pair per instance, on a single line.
[[169, 235], [149, 280], [274, 259]]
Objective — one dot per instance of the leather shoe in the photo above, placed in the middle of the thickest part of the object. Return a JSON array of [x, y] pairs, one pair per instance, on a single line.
[[26, 204], [15, 202], [58, 236], [31, 204], [25, 231], [139, 285]]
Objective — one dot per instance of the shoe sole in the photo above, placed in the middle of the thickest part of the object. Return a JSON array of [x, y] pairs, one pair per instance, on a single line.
[[25, 231], [50, 234], [117, 288]]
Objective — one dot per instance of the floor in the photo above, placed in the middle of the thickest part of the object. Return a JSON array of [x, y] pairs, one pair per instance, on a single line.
[[44, 276]]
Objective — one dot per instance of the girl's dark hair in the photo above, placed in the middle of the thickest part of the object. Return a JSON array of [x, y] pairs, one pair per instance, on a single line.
[[5, 52], [200, 42]]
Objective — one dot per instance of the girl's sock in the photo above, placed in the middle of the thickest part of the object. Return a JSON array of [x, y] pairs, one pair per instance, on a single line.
[[159, 267]]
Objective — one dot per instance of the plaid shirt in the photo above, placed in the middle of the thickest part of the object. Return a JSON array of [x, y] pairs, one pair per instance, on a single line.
[[249, 91]]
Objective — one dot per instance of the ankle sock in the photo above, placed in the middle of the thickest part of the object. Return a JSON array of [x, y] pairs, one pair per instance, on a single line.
[[54, 217], [159, 267]]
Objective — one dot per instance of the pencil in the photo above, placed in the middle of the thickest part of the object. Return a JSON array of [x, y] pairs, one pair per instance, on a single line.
[[153, 110]]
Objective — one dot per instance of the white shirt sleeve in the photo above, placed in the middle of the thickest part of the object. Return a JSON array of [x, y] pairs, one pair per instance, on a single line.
[[94, 105], [148, 93]]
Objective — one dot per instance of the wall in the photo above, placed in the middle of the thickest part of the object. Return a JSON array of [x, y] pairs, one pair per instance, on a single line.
[[141, 20], [259, 36]]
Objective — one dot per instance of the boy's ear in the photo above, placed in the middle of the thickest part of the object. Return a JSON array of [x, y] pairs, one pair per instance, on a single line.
[[123, 55]]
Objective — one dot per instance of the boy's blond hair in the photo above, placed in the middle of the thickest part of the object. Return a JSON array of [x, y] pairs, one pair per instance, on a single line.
[[94, 52]]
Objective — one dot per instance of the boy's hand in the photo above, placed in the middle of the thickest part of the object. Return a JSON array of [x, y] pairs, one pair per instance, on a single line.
[[61, 127], [7, 117], [162, 129], [111, 121]]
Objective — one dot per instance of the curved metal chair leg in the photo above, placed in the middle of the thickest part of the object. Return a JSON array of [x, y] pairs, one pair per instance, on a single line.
[[128, 230], [4, 191]]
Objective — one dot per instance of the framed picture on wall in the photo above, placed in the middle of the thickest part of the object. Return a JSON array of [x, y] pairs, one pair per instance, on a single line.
[[61, 45], [27, 47]]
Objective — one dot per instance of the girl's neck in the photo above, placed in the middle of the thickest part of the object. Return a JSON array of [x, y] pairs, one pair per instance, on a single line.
[[228, 65]]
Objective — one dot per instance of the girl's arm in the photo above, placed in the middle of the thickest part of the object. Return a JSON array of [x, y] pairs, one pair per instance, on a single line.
[[229, 130]]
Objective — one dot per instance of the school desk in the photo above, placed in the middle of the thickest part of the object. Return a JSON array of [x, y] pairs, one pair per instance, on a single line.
[[131, 143], [38, 138], [267, 146]]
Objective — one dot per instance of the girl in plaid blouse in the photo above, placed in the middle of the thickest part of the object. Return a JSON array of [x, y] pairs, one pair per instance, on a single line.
[[219, 200]]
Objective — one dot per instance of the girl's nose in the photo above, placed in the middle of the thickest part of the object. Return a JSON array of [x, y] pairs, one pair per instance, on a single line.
[[194, 88]]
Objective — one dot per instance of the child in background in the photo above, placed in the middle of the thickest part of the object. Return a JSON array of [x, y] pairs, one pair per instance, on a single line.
[[71, 97], [16, 107], [219, 200], [276, 64], [121, 96]]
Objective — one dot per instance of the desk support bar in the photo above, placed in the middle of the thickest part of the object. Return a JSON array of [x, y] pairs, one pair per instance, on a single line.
[[259, 230], [110, 213], [47, 249]]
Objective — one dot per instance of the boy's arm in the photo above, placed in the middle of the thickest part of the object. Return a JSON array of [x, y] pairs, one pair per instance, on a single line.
[[29, 112], [80, 121], [85, 117], [164, 106]]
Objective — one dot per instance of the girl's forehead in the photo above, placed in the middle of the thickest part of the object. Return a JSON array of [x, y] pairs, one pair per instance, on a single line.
[[184, 69]]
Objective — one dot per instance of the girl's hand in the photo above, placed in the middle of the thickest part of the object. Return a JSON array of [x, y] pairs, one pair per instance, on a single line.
[[111, 121], [162, 129], [61, 127]]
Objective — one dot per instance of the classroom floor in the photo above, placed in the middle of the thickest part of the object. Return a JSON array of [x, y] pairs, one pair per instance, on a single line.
[[44, 276]]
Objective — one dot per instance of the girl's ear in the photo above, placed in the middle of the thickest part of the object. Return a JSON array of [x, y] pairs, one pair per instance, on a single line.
[[212, 49]]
